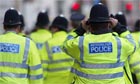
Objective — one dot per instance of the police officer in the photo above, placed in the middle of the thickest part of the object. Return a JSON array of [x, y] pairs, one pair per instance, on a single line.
[[136, 35], [59, 63], [134, 60], [76, 19], [19, 59], [42, 34], [99, 56]]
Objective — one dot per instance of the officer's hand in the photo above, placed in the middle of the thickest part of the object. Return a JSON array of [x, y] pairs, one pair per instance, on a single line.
[[113, 22]]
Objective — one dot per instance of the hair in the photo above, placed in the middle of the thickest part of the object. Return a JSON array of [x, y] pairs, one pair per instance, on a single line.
[[99, 26], [59, 28], [8, 27], [42, 26]]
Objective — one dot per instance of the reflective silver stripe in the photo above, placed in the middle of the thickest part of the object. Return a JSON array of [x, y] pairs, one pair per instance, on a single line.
[[60, 61], [18, 75], [135, 64], [81, 39], [97, 77], [34, 77], [13, 75], [44, 61], [26, 51], [119, 45], [15, 65], [35, 67], [130, 39], [56, 61], [39, 45], [69, 37], [49, 52], [18, 65], [101, 66], [57, 69]]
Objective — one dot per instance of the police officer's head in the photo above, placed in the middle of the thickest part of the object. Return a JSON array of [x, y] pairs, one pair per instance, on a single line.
[[76, 19], [99, 17], [121, 18], [22, 21], [137, 25], [11, 19], [42, 19], [60, 23]]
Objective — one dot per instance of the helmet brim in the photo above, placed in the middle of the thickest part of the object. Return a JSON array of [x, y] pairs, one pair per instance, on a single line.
[[99, 20], [18, 23]]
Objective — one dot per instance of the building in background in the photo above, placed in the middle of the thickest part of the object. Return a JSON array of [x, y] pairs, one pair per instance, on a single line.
[[30, 8]]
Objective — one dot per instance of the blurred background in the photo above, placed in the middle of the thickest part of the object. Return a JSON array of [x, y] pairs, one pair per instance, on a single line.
[[30, 9]]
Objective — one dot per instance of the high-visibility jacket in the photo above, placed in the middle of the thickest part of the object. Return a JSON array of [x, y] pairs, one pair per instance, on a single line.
[[127, 68], [59, 63], [127, 73], [136, 36], [40, 37], [99, 59], [22, 34], [72, 30], [134, 60], [19, 60]]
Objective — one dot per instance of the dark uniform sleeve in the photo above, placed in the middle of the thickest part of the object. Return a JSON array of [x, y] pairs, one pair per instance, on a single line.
[[80, 31], [119, 28]]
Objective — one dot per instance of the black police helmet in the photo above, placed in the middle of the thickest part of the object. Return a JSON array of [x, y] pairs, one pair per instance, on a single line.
[[22, 20], [42, 19], [11, 17], [75, 16], [61, 22], [99, 14], [121, 18], [137, 25]]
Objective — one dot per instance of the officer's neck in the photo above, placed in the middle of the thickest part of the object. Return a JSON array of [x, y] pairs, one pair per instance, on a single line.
[[15, 30], [101, 31]]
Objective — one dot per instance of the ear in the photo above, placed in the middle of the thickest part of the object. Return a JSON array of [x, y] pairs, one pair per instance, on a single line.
[[18, 29], [109, 25]]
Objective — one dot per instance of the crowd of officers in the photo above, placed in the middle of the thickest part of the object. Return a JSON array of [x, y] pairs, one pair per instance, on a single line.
[[100, 50]]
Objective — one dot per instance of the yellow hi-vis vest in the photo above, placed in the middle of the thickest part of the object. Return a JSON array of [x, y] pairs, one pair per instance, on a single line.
[[129, 70], [19, 60], [135, 59], [136, 36], [59, 63], [40, 37], [99, 59], [22, 34], [134, 62]]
